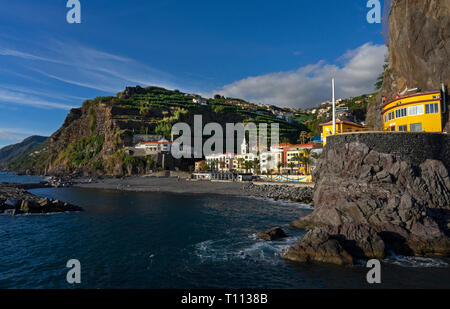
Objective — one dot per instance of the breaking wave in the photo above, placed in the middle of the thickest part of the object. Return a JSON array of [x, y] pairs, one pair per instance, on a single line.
[[416, 262], [251, 249]]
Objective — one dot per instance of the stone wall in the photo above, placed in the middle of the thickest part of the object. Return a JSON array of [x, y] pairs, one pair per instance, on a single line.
[[415, 148]]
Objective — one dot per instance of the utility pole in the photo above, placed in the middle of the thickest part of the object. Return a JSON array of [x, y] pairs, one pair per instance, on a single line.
[[334, 108]]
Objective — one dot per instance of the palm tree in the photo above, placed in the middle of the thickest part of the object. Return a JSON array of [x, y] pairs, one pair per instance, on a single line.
[[303, 137], [222, 164], [240, 163], [215, 164], [279, 166], [307, 160], [256, 165], [248, 165], [291, 165], [299, 159], [269, 159]]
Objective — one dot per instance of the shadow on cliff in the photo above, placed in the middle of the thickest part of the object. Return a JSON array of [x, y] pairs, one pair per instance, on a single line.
[[396, 243], [442, 218]]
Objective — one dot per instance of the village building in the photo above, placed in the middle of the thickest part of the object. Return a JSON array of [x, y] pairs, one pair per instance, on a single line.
[[419, 112], [291, 155], [139, 138], [199, 165], [342, 126], [269, 160], [150, 148], [222, 162], [239, 162]]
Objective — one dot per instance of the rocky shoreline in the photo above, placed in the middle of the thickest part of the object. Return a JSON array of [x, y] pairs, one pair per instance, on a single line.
[[297, 194], [15, 200], [368, 204]]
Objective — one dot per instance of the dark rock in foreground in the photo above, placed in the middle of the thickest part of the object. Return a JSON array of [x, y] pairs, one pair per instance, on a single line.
[[16, 201], [368, 203], [319, 246], [272, 234], [281, 192]]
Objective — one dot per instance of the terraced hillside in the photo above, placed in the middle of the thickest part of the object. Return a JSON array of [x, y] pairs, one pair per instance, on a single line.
[[92, 138]]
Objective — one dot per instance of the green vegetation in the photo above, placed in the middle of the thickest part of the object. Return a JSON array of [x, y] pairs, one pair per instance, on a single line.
[[35, 159], [80, 152], [128, 165]]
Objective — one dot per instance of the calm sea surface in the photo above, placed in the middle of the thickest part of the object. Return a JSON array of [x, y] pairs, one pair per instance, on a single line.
[[157, 240]]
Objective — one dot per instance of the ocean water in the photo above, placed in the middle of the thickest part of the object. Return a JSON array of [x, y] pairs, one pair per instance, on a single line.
[[157, 240], [13, 178]]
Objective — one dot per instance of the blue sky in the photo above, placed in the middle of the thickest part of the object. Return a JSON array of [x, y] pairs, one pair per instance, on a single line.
[[281, 52]]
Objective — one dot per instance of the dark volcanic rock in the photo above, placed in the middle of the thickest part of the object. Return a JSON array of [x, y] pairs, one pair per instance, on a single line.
[[17, 201], [281, 192], [372, 202], [272, 234], [319, 246]]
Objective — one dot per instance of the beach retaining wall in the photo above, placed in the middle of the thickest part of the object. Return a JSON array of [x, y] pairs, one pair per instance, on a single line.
[[413, 147]]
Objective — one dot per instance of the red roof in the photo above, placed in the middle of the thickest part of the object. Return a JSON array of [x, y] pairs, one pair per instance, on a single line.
[[339, 121], [309, 145], [284, 145], [157, 143], [399, 97]]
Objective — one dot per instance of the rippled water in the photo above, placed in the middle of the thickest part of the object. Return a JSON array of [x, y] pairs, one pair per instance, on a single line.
[[13, 178], [156, 240]]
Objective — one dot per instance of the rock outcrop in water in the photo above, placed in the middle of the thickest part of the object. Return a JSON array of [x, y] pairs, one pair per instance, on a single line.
[[16, 201], [368, 202], [272, 234], [419, 50]]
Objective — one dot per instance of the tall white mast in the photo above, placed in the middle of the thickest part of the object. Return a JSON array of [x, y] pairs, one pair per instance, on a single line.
[[334, 108]]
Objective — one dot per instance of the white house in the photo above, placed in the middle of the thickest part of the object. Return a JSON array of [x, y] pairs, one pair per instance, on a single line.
[[199, 101], [160, 146], [222, 162], [269, 159]]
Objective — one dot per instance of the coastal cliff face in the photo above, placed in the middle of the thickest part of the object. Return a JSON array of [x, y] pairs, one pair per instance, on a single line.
[[89, 134], [419, 50], [369, 201]]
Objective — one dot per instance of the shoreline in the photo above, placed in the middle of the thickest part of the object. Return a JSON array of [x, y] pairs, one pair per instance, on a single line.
[[183, 186]]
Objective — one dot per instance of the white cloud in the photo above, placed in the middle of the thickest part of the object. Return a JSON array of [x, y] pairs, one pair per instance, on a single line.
[[24, 55], [21, 98], [311, 84], [16, 135], [4, 135], [79, 65]]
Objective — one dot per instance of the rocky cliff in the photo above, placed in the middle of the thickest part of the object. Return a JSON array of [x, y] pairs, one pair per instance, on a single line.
[[419, 50], [378, 193]]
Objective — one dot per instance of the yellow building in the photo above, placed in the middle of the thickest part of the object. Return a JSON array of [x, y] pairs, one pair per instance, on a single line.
[[293, 153], [342, 126], [419, 112]]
